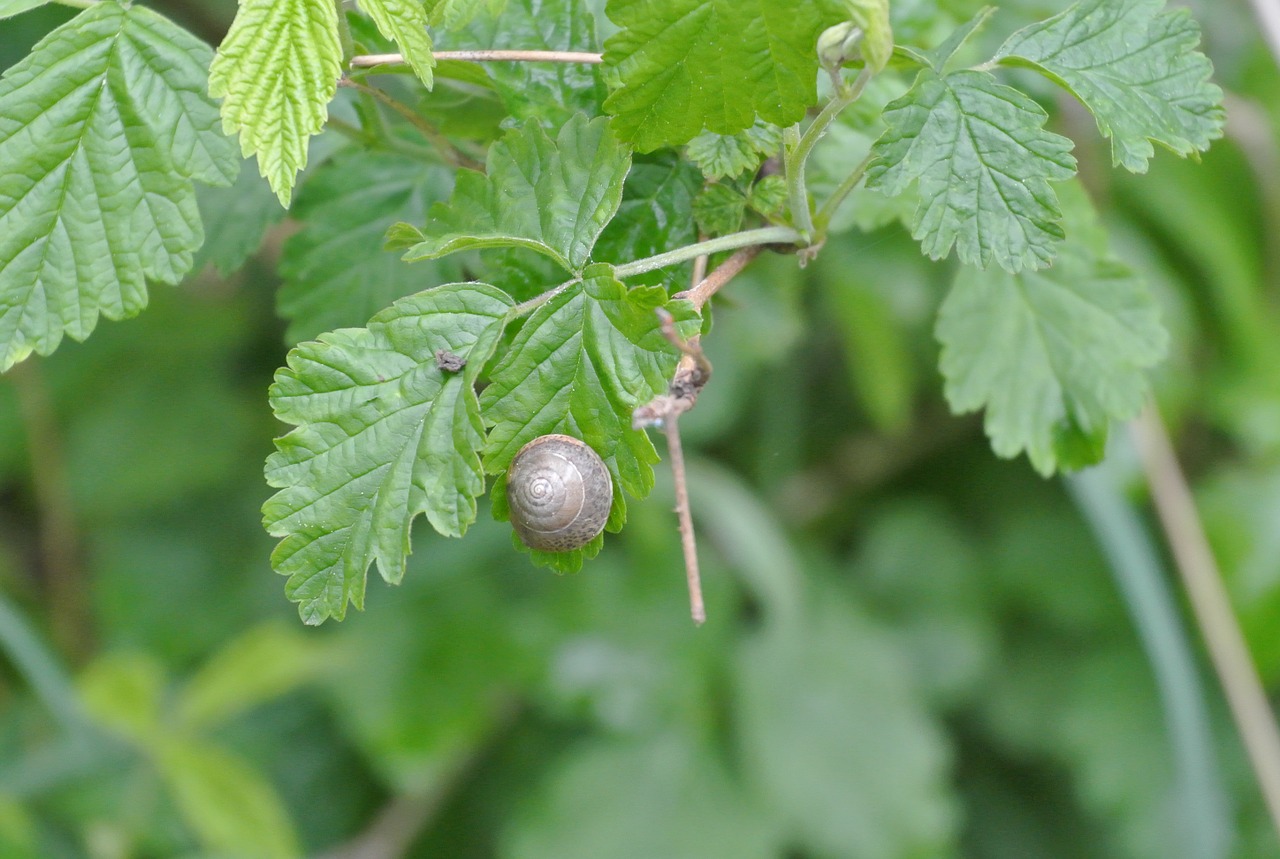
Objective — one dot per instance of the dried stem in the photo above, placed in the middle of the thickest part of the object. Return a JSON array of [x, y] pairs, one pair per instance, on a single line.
[[1211, 605], [725, 272], [368, 60], [697, 609], [59, 539]]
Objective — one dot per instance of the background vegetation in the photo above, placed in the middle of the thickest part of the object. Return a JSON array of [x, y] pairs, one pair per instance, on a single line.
[[914, 649]]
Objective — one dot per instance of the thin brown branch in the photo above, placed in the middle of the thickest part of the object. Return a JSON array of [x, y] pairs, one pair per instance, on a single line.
[[496, 56], [57, 531], [447, 150], [697, 609], [1211, 605], [725, 272]]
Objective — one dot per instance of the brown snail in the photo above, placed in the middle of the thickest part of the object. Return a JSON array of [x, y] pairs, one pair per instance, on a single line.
[[559, 493]]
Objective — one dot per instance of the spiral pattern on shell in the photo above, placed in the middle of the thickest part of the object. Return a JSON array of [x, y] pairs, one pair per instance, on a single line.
[[559, 492]]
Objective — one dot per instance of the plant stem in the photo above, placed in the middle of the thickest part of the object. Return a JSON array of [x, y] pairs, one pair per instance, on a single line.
[[58, 535], [842, 191], [797, 148], [697, 609], [1211, 605], [496, 56], [708, 286], [537, 301], [731, 242], [344, 31], [446, 149]]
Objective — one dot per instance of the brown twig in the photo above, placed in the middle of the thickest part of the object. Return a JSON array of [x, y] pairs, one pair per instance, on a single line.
[[1211, 605], [58, 536], [496, 56], [664, 411], [725, 272], [446, 149]]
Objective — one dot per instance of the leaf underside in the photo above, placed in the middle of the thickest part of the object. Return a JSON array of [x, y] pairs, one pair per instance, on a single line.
[[103, 127], [1136, 69], [1055, 355]]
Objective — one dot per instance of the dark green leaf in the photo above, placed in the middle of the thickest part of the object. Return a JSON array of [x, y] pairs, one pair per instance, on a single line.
[[719, 209], [549, 196], [683, 66], [383, 435], [1135, 67], [654, 214], [102, 128], [236, 219], [336, 270], [983, 163]]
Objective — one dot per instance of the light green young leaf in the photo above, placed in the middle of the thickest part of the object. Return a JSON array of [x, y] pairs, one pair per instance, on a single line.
[[231, 806], [276, 72], [405, 23], [102, 128], [336, 271], [1054, 356], [383, 434], [9, 8], [580, 365], [872, 18], [452, 14], [983, 163], [1137, 70], [683, 66], [549, 196], [721, 155]]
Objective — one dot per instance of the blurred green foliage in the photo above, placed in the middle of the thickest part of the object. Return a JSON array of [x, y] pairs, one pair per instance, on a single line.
[[914, 650]]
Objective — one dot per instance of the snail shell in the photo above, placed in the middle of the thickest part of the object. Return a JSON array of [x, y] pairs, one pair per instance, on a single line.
[[559, 492]]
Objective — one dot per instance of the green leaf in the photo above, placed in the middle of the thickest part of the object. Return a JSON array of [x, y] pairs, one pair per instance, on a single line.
[[276, 72], [230, 805], [124, 692], [545, 93], [452, 14], [383, 434], [721, 155], [102, 128], [683, 66], [236, 219], [405, 23], [582, 362], [263, 663], [336, 270], [719, 209], [9, 8], [664, 797], [978, 156], [1055, 355], [654, 215], [838, 742], [552, 197], [768, 197], [1136, 69]]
